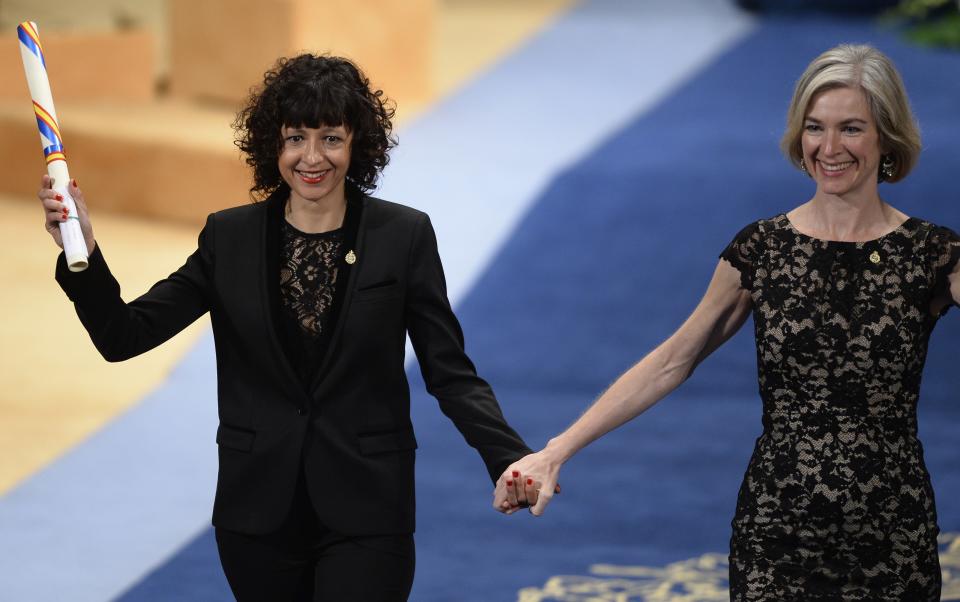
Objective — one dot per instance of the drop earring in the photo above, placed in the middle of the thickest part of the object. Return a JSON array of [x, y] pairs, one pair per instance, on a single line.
[[886, 168]]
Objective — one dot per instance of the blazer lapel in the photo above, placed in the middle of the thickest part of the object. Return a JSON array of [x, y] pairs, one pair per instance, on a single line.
[[354, 231], [270, 288]]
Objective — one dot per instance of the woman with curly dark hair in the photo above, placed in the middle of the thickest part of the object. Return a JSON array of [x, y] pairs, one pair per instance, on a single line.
[[311, 293]]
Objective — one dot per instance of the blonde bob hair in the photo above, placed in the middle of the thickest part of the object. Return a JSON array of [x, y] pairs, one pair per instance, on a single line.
[[866, 68]]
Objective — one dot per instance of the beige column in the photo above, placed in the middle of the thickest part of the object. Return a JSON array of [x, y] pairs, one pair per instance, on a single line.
[[220, 48]]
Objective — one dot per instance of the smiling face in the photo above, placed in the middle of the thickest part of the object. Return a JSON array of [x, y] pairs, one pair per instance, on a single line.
[[841, 144], [314, 162]]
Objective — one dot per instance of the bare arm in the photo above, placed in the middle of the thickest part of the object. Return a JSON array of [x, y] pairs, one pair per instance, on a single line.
[[955, 284], [721, 312]]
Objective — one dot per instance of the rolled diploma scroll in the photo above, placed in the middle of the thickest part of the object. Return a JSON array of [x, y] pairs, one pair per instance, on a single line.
[[35, 67]]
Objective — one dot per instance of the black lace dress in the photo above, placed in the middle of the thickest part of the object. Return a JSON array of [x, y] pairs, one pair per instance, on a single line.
[[836, 503]]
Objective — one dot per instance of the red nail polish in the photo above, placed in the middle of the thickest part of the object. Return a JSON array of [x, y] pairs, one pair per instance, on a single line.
[[59, 197], [509, 483], [75, 185], [529, 481], [516, 473]]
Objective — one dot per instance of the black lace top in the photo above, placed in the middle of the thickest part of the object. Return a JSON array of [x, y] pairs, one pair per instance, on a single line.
[[309, 276], [836, 502]]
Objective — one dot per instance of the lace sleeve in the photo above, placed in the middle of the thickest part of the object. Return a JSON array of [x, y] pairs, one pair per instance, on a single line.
[[944, 254], [743, 253]]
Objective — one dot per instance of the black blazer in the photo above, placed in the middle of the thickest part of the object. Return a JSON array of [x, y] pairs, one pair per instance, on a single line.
[[351, 428]]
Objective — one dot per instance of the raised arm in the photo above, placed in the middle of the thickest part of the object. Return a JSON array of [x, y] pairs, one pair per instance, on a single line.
[[122, 330], [721, 312]]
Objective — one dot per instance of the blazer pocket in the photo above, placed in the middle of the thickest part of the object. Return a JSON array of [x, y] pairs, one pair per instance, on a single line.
[[234, 438], [387, 442], [375, 285], [380, 290]]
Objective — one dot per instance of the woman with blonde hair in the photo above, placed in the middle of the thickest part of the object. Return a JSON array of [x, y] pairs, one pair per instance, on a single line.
[[845, 289]]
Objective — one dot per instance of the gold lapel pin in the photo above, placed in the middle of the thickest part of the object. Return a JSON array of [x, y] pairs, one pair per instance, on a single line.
[[351, 257], [875, 257]]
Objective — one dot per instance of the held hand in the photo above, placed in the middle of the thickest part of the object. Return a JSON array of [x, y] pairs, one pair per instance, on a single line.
[[55, 212], [530, 482]]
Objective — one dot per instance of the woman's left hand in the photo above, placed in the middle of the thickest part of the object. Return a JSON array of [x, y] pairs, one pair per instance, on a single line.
[[530, 482]]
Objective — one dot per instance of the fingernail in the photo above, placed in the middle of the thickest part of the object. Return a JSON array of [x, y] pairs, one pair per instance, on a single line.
[[59, 197], [509, 483], [75, 185], [66, 211], [516, 473], [529, 481]]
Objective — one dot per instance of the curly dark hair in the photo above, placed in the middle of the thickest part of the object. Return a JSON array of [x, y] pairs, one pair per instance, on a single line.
[[307, 91]]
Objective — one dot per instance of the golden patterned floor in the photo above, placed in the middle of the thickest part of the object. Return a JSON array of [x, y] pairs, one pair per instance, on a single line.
[[701, 579]]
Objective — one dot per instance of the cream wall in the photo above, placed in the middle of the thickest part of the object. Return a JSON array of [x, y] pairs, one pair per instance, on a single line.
[[91, 16]]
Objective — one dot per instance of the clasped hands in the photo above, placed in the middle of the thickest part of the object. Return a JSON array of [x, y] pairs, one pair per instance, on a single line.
[[530, 482]]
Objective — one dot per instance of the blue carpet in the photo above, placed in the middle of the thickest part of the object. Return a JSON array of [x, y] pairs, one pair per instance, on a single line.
[[607, 263]]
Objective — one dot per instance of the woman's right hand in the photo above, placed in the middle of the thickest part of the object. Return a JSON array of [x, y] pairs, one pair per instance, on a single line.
[[55, 212], [530, 482]]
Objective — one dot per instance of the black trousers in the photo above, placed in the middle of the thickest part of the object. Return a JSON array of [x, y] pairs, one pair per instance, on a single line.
[[304, 561]]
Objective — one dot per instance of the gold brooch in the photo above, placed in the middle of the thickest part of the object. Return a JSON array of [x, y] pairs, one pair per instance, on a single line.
[[875, 257], [351, 257]]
